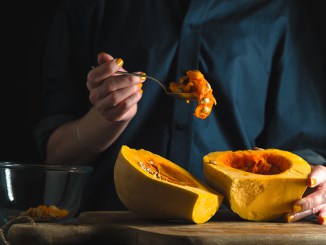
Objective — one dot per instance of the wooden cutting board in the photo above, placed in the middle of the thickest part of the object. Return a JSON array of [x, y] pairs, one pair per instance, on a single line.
[[127, 228]]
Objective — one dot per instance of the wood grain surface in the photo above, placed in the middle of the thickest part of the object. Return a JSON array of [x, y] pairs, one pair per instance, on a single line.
[[128, 228]]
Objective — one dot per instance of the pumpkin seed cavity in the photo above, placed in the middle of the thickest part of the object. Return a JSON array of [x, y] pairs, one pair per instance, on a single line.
[[255, 163], [160, 171]]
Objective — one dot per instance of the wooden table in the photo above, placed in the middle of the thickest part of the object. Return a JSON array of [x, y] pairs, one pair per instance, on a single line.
[[127, 228]]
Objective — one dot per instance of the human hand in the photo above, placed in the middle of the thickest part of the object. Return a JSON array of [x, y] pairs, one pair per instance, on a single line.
[[114, 96], [314, 202]]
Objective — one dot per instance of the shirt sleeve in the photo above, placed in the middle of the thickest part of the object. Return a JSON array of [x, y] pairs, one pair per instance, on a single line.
[[44, 129], [63, 89]]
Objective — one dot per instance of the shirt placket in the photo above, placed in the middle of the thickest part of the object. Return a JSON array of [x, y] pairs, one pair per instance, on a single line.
[[187, 59]]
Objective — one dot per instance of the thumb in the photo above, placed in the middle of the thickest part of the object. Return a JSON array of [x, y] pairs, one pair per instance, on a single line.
[[103, 58]]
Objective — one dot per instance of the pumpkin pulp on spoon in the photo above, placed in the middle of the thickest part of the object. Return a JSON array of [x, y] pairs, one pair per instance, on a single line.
[[194, 82]]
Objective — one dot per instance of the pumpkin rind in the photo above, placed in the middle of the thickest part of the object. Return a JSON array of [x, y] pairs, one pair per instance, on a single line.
[[152, 197], [258, 197]]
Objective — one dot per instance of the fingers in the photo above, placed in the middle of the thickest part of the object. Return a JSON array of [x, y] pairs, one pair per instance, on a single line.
[[120, 104], [105, 70], [315, 200], [292, 217], [316, 193], [125, 110], [322, 216], [317, 175], [116, 88], [104, 58], [116, 97], [113, 95]]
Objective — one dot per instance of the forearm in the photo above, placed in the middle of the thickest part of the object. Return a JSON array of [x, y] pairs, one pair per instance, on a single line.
[[81, 141]]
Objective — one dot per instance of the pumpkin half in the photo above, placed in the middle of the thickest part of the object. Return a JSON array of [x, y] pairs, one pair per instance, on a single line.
[[259, 185], [157, 188]]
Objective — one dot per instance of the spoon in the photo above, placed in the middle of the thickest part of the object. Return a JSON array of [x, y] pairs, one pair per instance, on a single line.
[[184, 96]]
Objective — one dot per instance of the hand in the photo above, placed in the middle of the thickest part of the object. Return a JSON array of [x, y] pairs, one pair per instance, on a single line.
[[114, 96], [314, 202]]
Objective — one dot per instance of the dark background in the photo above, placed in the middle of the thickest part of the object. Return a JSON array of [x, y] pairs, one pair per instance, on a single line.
[[21, 103]]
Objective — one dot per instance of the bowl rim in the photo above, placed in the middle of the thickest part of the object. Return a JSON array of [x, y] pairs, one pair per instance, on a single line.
[[47, 167]]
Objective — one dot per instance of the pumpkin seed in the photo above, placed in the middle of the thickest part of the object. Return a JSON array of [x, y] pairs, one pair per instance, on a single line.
[[205, 110], [142, 165], [205, 101]]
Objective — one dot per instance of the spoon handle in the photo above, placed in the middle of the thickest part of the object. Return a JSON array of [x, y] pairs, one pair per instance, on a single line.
[[142, 75]]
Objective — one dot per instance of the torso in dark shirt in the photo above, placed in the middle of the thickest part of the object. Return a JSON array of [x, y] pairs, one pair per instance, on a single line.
[[253, 53]]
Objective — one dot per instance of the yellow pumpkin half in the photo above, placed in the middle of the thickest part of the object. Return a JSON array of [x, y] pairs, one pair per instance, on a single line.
[[259, 185], [157, 188]]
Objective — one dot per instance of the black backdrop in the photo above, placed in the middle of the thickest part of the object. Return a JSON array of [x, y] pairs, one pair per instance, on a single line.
[[21, 103]]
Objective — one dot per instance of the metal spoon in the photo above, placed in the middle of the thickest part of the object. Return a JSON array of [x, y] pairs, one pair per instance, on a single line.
[[184, 96]]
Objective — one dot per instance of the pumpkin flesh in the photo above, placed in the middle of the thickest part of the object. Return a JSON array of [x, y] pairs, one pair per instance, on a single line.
[[195, 82], [155, 187], [258, 185]]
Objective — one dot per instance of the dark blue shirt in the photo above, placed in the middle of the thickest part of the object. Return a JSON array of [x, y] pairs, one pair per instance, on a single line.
[[260, 58]]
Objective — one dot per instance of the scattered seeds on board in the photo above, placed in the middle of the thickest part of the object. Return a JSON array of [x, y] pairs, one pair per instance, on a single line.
[[44, 212]]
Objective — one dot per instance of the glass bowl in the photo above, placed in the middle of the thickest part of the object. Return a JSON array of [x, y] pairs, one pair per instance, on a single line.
[[43, 192]]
